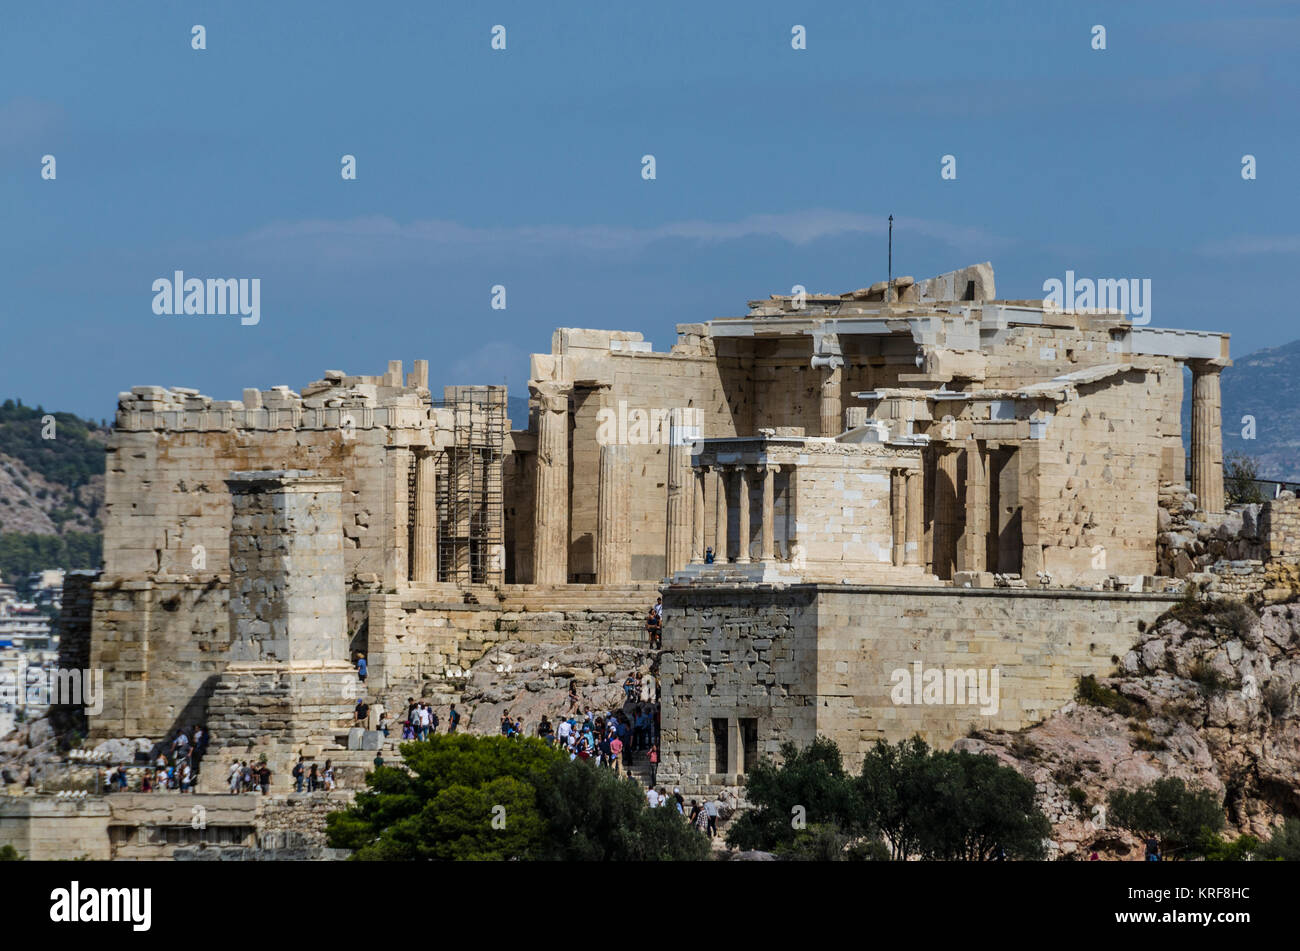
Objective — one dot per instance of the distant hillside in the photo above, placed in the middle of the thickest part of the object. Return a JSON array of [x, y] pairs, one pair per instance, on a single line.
[[1265, 385], [49, 486]]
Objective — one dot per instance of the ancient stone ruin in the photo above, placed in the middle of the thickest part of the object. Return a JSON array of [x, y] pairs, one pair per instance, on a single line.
[[826, 490]]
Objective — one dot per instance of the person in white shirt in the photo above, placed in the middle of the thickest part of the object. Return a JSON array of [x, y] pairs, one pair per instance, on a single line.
[[652, 797]]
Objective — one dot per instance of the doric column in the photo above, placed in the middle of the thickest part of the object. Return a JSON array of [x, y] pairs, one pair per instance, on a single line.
[[1207, 435], [767, 530], [697, 535], [680, 492], [898, 513], [945, 511], [720, 514], [975, 537], [742, 489], [424, 560], [915, 515], [613, 518], [397, 514], [551, 506]]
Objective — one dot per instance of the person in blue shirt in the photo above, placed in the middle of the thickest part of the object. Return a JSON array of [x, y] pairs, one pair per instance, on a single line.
[[361, 667]]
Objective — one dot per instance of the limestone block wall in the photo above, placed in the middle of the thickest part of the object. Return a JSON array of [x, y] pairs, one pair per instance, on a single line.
[[624, 387], [1095, 480], [75, 618], [413, 640], [161, 646], [288, 681], [151, 826], [165, 494], [1020, 355], [1280, 526], [842, 505], [787, 389], [821, 659], [44, 829], [732, 655]]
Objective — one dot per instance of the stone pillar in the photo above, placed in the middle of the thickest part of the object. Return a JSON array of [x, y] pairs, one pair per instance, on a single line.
[[397, 505], [832, 412], [288, 678], [697, 535], [915, 516], [767, 538], [1207, 435], [742, 489], [613, 518], [720, 515], [974, 549], [551, 506], [898, 513], [680, 493], [425, 557], [945, 512]]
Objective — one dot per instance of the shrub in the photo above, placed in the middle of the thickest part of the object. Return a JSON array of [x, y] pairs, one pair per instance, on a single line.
[[1209, 679], [1177, 816], [1277, 698], [1284, 844], [1095, 694]]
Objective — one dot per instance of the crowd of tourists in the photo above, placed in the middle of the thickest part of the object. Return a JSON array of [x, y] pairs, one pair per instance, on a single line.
[[701, 816], [174, 768]]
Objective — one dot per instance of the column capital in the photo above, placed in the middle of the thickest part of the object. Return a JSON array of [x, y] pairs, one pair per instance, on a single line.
[[1214, 365], [551, 395]]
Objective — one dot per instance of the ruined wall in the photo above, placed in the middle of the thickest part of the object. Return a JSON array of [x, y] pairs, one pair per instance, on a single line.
[[842, 505], [165, 494], [810, 659], [1280, 528], [616, 385], [787, 388], [161, 646], [1021, 355], [413, 641], [1095, 481], [152, 826]]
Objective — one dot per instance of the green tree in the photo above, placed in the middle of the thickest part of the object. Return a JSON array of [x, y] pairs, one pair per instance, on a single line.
[[1239, 474], [973, 809], [1177, 816], [890, 788], [597, 816], [1284, 844], [949, 805], [809, 787], [9, 854], [494, 798]]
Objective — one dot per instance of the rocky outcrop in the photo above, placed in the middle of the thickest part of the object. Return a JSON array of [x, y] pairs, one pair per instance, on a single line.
[[532, 680], [1210, 694], [31, 756]]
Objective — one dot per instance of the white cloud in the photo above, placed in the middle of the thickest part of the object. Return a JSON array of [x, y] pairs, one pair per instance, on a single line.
[[798, 227]]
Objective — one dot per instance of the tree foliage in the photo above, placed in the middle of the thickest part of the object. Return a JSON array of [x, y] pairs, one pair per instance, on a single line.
[[497, 798], [1239, 474], [809, 785], [1179, 817], [23, 552], [1283, 844], [70, 459], [921, 802]]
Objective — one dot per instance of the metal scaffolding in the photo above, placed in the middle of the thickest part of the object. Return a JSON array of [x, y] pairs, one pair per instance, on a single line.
[[471, 527]]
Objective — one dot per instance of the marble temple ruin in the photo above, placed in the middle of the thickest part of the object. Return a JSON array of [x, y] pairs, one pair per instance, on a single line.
[[826, 489]]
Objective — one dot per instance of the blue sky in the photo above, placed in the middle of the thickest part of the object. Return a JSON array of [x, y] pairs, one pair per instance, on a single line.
[[522, 167]]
